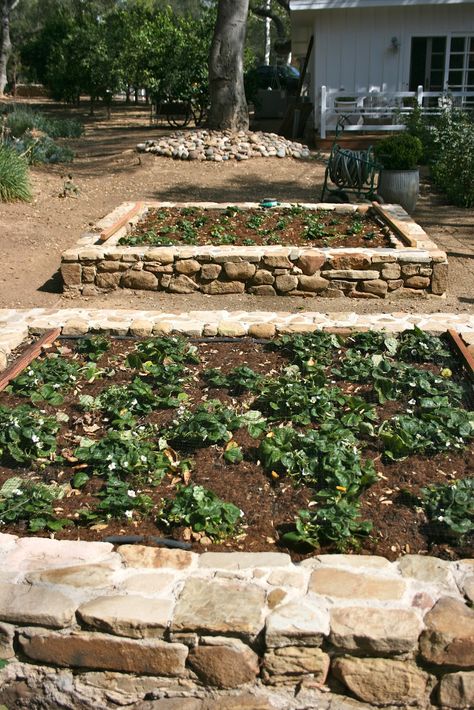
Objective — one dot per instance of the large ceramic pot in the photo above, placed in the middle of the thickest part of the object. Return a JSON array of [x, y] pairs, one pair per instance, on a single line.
[[401, 187]]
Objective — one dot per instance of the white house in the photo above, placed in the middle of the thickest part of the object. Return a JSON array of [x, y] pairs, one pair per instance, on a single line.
[[365, 48]]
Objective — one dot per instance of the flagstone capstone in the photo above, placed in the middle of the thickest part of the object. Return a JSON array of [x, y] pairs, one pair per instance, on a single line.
[[220, 608]]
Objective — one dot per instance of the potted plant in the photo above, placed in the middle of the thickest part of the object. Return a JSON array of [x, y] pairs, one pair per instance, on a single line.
[[399, 181]]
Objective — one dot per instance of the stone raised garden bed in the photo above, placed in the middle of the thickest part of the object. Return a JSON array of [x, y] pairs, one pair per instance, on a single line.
[[409, 263], [84, 624]]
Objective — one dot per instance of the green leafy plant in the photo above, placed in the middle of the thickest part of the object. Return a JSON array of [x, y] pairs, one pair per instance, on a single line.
[[94, 347], [233, 453], [436, 427], [118, 500], [303, 400], [136, 398], [308, 350], [209, 423], [450, 506], [163, 351], [31, 503], [27, 435], [44, 378], [418, 346], [203, 511], [125, 454], [399, 152], [335, 523], [14, 182], [240, 379], [372, 341], [327, 459]]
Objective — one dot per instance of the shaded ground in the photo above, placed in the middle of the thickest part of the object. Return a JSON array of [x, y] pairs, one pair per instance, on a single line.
[[108, 171]]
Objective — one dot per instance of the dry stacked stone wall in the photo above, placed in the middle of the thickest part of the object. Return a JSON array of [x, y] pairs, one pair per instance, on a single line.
[[413, 265], [84, 623]]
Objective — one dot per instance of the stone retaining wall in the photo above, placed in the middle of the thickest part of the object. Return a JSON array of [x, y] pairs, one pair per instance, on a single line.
[[412, 265], [82, 625]]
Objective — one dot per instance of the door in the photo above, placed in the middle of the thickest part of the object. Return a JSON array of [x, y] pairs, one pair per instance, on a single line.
[[427, 63]]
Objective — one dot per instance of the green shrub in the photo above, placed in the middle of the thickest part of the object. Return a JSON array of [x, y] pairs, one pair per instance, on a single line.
[[448, 147], [401, 152], [453, 161], [14, 183], [43, 150], [21, 119]]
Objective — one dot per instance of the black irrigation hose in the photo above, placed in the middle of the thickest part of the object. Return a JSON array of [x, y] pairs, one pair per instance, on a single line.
[[133, 539], [195, 339]]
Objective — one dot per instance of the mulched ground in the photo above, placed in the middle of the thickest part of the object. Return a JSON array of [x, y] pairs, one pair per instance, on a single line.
[[269, 505], [287, 226]]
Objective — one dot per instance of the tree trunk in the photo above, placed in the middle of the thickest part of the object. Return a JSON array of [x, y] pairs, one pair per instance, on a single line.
[[226, 73], [5, 45]]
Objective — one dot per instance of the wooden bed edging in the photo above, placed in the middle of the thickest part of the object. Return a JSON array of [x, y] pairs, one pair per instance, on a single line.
[[28, 356]]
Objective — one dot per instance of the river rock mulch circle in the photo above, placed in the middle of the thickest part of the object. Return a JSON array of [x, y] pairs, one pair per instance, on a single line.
[[220, 146]]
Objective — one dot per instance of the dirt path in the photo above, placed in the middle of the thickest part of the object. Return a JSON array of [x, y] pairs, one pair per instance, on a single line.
[[107, 171]]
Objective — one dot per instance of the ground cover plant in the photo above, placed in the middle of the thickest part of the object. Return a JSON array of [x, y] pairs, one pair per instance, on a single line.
[[309, 442], [166, 226], [35, 136]]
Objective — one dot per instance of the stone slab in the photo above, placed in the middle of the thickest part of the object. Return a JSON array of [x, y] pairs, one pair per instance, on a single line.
[[379, 631], [449, 635], [23, 604], [383, 681], [101, 651], [127, 615], [297, 623], [243, 560], [338, 583], [219, 608]]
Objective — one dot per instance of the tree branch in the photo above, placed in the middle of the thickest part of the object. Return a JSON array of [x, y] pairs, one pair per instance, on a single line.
[[279, 26]]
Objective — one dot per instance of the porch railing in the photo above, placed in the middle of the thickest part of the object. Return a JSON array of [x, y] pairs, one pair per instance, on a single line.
[[373, 111]]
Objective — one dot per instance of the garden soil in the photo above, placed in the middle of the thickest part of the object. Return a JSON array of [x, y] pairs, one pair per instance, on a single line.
[[108, 171]]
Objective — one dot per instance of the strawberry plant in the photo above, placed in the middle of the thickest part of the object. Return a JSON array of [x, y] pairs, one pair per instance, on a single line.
[[436, 427], [43, 379], [136, 398], [209, 423], [302, 400], [336, 523], [163, 351], [27, 435], [117, 500], [307, 350], [372, 342], [94, 347], [202, 511], [124, 454], [30, 503], [324, 459], [240, 379], [418, 346], [450, 506]]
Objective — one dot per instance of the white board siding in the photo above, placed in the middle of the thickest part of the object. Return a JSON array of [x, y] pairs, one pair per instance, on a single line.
[[352, 48]]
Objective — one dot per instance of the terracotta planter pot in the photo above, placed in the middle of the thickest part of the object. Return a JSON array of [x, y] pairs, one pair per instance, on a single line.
[[401, 187]]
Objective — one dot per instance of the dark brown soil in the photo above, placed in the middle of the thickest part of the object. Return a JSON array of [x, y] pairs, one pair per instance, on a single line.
[[287, 226], [269, 503]]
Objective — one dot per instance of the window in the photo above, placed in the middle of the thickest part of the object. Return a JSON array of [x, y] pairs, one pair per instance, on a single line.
[[442, 63]]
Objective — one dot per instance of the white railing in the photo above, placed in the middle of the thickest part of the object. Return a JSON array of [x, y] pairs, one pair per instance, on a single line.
[[380, 111]]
